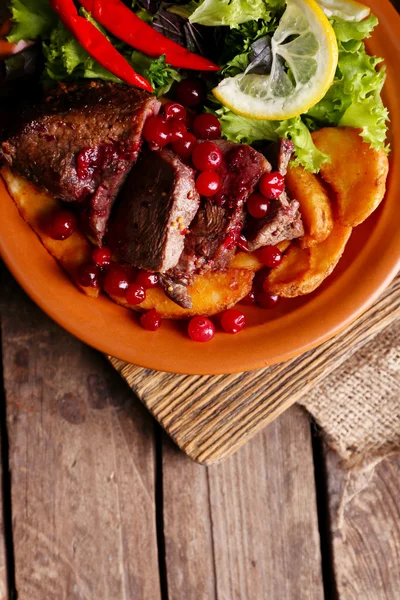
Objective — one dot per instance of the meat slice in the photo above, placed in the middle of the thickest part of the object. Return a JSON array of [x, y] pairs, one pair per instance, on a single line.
[[212, 239], [80, 143], [284, 220], [158, 203]]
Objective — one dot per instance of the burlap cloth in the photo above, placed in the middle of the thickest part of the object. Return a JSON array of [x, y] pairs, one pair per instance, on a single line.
[[358, 405]]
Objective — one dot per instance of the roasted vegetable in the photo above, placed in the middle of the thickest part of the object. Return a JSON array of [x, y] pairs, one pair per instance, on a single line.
[[315, 206], [36, 207], [356, 172], [210, 293], [302, 270], [250, 260]]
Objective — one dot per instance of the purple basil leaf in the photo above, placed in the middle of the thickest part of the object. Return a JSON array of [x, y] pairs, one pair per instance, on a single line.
[[151, 5], [196, 38], [170, 25], [23, 64]]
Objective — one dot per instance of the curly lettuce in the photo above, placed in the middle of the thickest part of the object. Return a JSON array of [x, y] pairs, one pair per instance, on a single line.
[[31, 19], [354, 98], [227, 12], [244, 130]]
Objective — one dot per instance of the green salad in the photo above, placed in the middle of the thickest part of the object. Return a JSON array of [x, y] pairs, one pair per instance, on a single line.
[[231, 33]]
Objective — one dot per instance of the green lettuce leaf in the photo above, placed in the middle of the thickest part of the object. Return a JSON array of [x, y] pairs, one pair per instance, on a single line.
[[66, 60], [354, 99], [244, 130], [306, 152], [229, 12], [31, 19], [237, 65], [241, 38], [157, 71], [237, 44]]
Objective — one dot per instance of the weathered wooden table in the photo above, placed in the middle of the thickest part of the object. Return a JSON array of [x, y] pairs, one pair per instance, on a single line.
[[99, 505]]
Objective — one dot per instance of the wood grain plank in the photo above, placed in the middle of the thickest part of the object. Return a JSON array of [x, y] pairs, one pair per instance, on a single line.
[[364, 511], [3, 561], [82, 462], [187, 527], [247, 528], [210, 417]]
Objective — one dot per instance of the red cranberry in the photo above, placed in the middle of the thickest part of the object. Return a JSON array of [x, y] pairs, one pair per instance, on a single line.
[[151, 320], [250, 299], [231, 239], [233, 321], [116, 281], [270, 256], [87, 162], [266, 300], [257, 206], [190, 116], [208, 183], [190, 92], [242, 243], [147, 279], [156, 132], [61, 225], [207, 156], [259, 279], [135, 294], [206, 127], [177, 130], [101, 256], [201, 329], [173, 110], [272, 185], [184, 147], [88, 275]]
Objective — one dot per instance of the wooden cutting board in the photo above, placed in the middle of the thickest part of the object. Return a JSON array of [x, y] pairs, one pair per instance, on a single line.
[[210, 416]]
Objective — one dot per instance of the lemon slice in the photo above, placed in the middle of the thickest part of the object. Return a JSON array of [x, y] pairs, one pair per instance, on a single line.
[[306, 43], [348, 10]]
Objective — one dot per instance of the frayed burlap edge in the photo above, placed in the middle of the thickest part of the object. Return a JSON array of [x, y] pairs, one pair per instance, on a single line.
[[358, 405]]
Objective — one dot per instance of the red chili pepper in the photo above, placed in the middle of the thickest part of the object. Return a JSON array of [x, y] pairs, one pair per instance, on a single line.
[[97, 45], [5, 27], [132, 30]]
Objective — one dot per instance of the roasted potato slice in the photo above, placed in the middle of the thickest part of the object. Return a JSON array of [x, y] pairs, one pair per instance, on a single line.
[[357, 173], [35, 206], [246, 260], [211, 293], [302, 270], [283, 245], [315, 206], [250, 260], [285, 279]]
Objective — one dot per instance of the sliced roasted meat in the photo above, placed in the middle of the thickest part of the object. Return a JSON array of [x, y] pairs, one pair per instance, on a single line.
[[213, 235], [80, 144], [157, 205], [284, 220], [285, 153]]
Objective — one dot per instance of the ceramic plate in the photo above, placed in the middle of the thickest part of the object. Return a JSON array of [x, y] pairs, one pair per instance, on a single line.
[[371, 261]]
